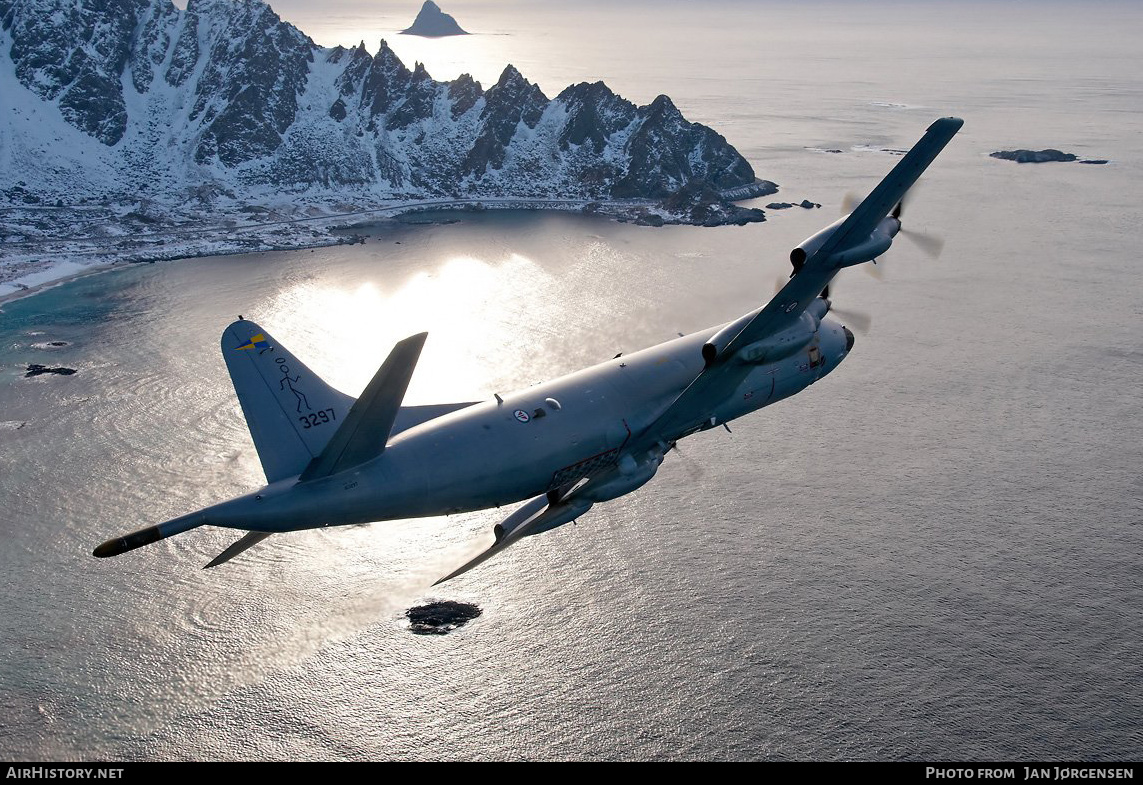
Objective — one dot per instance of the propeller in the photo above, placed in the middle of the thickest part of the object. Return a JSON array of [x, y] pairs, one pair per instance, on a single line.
[[859, 320], [691, 466], [929, 244], [849, 203]]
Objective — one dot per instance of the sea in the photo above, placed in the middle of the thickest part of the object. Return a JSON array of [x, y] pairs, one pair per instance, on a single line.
[[932, 554]]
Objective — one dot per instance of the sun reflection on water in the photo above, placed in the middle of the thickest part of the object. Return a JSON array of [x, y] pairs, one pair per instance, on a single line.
[[471, 309]]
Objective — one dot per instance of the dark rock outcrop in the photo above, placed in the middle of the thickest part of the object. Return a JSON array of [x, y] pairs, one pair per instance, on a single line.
[[439, 618], [432, 22], [36, 369], [1033, 156]]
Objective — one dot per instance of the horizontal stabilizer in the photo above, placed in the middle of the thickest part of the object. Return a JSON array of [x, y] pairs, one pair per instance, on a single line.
[[365, 431], [248, 541]]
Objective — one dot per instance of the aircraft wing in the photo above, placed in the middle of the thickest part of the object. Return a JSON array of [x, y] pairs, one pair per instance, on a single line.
[[890, 191], [721, 376], [803, 288]]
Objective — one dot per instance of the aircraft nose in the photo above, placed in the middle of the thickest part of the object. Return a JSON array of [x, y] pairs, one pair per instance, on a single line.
[[848, 338]]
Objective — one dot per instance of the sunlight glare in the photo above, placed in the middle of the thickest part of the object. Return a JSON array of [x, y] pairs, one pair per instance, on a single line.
[[472, 310]]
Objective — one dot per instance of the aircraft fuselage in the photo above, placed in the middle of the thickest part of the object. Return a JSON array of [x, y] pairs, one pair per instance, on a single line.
[[531, 441]]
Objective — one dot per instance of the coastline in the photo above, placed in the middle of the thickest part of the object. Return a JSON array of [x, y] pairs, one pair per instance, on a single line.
[[32, 267]]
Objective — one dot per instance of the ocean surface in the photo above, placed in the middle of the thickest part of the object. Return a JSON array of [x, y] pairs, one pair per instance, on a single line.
[[934, 553]]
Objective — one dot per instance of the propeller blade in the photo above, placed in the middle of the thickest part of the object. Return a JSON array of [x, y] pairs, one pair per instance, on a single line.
[[692, 467], [849, 202], [861, 322], [248, 541], [930, 244], [906, 200], [876, 269]]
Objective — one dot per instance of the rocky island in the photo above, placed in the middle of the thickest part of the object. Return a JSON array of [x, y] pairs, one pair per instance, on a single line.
[[1042, 156], [432, 22], [441, 617], [35, 369]]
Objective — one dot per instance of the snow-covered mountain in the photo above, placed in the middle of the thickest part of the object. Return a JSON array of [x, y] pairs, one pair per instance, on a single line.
[[118, 100]]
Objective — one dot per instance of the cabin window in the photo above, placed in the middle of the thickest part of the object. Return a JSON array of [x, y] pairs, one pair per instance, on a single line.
[[553, 404]]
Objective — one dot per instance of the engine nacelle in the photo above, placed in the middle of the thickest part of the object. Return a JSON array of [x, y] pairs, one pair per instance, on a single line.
[[880, 239], [526, 512], [808, 247], [713, 348], [631, 475], [569, 511], [781, 345], [876, 244]]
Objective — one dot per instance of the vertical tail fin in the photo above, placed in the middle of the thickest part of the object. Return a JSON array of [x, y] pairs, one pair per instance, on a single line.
[[291, 412], [366, 429]]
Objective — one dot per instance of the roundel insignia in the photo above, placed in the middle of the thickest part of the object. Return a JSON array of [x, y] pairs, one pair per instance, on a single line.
[[521, 415]]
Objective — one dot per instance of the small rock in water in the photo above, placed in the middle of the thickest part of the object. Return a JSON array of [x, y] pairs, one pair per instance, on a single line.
[[1033, 156], [440, 618], [36, 369]]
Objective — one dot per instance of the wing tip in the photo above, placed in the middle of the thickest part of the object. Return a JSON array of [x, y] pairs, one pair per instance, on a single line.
[[950, 123]]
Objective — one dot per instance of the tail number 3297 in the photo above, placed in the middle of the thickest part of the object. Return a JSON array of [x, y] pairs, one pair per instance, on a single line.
[[317, 418]]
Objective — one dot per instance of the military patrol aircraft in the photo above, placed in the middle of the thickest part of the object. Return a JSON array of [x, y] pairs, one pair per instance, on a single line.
[[560, 447]]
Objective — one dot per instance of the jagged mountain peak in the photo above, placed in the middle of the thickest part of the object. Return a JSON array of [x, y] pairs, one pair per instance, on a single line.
[[664, 106], [226, 98], [511, 77], [515, 95]]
